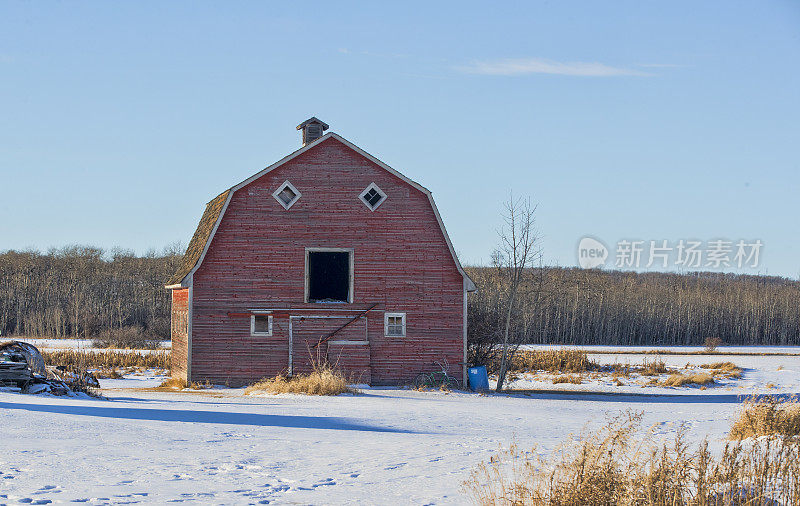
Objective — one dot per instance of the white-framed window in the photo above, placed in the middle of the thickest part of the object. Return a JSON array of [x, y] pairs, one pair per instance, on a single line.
[[286, 194], [372, 196], [260, 324], [394, 324]]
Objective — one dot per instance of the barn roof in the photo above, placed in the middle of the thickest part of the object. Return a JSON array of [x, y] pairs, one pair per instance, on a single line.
[[215, 209], [200, 237]]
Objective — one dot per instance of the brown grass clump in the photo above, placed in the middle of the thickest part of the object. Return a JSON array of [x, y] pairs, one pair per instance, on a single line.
[[679, 380], [567, 378], [654, 367], [623, 465], [322, 380], [767, 416], [173, 383], [108, 359], [560, 360], [725, 369], [112, 373]]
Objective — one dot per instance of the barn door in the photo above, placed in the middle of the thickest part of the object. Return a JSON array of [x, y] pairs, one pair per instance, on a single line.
[[306, 332]]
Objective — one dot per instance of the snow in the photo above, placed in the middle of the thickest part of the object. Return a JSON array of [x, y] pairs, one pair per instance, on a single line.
[[384, 446], [762, 374], [73, 344]]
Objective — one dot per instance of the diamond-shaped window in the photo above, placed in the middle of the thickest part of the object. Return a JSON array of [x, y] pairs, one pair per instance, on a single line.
[[372, 196], [286, 194]]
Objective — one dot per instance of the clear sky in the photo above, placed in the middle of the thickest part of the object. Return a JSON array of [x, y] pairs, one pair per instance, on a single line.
[[622, 120]]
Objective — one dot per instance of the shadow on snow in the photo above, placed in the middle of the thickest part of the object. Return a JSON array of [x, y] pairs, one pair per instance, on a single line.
[[194, 416]]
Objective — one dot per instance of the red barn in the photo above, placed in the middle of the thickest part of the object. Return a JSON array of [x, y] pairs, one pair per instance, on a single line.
[[327, 255]]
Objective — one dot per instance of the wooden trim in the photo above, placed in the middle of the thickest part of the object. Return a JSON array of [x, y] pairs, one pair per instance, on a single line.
[[291, 187], [190, 310], [386, 324], [351, 251], [253, 332], [377, 189], [464, 380]]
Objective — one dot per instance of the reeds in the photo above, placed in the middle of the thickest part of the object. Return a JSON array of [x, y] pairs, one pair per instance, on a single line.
[[107, 359], [559, 360], [624, 465], [767, 416]]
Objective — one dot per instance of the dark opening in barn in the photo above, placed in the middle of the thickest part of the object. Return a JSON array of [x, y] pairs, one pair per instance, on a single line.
[[328, 276]]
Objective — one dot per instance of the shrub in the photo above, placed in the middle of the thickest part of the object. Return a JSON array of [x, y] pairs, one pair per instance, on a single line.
[[711, 344], [133, 337], [567, 378], [679, 380], [323, 380], [767, 416], [560, 360], [623, 465]]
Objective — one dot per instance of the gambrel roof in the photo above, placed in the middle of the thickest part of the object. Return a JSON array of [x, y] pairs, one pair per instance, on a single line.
[[215, 209]]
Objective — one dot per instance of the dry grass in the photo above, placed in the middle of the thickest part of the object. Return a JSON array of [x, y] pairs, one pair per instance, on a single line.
[[567, 378], [623, 465], [560, 360], [726, 369], [654, 367], [173, 384], [767, 416], [107, 359], [322, 380], [112, 373], [679, 380]]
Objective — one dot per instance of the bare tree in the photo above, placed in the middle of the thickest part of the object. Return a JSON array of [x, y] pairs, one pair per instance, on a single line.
[[514, 258]]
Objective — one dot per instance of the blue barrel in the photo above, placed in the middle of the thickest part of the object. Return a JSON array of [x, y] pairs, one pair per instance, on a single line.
[[478, 379]]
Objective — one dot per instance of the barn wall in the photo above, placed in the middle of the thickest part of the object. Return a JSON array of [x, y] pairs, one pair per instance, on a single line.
[[180, 333], [257, 260]]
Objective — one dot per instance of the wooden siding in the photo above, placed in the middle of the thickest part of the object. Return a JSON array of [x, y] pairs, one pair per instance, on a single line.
[[180, 333], [256, 260]]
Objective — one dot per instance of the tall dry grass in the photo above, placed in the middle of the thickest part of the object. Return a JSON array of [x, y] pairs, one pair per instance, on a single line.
[[768, 416], [107, 359], [623, 465], [558, 360], [323, 380]]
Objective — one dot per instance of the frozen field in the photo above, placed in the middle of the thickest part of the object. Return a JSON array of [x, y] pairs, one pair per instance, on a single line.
[[72, 344], [386, 446]]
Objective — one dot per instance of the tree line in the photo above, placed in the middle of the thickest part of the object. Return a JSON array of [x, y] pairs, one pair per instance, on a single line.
[[85, 291], [584, 307]]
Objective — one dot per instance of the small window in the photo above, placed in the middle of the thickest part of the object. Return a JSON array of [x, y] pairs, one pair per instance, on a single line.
[[261, 325], [286, 194], [372, 196], [329, 275], [395, 324]]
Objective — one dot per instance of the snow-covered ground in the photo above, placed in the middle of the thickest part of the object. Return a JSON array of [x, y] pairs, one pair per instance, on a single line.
[[385, 446], [761, 374], [770, 350], [76, 344]]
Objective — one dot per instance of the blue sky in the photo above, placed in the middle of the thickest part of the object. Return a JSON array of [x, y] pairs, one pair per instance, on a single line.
[[622, 120]]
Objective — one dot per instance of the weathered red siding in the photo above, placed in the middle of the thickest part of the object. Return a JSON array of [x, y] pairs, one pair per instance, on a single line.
[[256, 260], [180, 332]]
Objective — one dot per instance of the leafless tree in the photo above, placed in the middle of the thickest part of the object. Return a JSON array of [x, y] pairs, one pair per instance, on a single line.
[[517, 253]]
